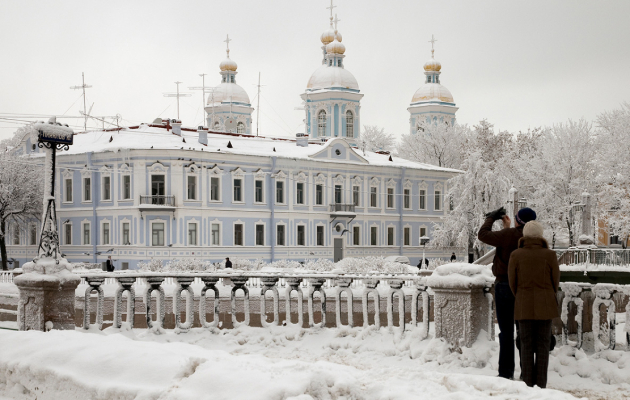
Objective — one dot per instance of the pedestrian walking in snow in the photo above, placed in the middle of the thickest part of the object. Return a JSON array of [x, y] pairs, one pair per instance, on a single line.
[[228, 263], [453, 257], [505, 241], [109, 265], [534, 276]]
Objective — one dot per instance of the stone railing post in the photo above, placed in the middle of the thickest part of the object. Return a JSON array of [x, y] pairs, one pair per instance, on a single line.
[[293, 284], [155, 283], [125, 283], [184, 283], [460, 305], [269, 284], [421, 290], [370, 288], [239, 283], [343, 285], [604, 295], [487, 291], [395, 287], [94, 285], [316, 286], [572, 292], [209, 284]]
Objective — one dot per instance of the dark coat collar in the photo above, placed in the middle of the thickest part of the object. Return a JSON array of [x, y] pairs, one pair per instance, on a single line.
[[530, 242]]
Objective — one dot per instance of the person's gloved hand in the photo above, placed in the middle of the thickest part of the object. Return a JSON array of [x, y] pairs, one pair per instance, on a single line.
[[496, 214]]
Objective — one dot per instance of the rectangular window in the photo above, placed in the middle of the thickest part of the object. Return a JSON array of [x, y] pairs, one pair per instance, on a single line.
[[301, 239], [390, 236], [126, 234], [423, 232], [438, 200], [157, 234], [390, 197], [16, 234], [260, 235], [86, 233], [407, 236], [192, 234], [258, 192], [356, 235], [214, 189], [373, 235], [68, 190], [192, 188], [67, 234], [355, 196], [238, 194], [300, 193], [280, 192], [216, 230], [126, 187], [107, 188], [406, 199], [105, 232], [280, 235], [238, 235], [33, 235], [423, 199], [87, 189], [319, 194], [320, 235], [373, 197], [338, 194]]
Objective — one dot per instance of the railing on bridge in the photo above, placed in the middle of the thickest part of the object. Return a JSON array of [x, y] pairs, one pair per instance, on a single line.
[[594, 256]]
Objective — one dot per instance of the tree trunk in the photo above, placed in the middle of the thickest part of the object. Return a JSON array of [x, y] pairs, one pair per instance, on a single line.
[[3, 247]]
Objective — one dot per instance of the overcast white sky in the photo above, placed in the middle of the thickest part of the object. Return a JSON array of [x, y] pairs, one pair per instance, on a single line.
[[518, 64]]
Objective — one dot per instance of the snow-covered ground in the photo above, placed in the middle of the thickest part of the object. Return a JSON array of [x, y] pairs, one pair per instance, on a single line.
[[283, 363]]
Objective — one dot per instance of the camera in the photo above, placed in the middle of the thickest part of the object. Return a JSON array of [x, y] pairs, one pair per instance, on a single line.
[[497, 214]]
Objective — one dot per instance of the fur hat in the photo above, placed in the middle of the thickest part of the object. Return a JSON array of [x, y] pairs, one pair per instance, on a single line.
[[524, 215], [533, 229]]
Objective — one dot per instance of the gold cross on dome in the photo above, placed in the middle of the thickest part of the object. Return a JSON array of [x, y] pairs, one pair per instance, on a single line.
[[336, 21], [228, 40], [432, 41], [331, 9]]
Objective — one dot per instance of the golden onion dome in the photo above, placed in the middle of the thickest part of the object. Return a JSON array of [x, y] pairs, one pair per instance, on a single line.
[[335, 48], [432, 65], [228, 65], [328, 36]]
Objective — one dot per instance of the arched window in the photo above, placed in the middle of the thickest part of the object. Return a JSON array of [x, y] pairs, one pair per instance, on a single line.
[[349, 124], [240, 127], [321, 123]]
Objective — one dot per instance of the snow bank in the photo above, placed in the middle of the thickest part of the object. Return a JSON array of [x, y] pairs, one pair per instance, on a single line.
[[461, 275]]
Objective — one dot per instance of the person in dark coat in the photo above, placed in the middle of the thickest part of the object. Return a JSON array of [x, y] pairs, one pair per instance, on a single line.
[[420, 264], [505, 241], [228, 263], [109, 265], [534, 277], [453, 257]]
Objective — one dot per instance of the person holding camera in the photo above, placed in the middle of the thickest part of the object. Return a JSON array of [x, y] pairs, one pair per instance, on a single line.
[[505, 241]]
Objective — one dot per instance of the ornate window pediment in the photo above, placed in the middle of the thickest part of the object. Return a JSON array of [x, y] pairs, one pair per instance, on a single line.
[[124, 168], [260, 173], [320, 178], [158, 168], [408, 184], [280, 175], [301, 177], [391, 183], [67, 174], [423, 185], [438, 186], [193, 169], [85, 172], [374, 181], [357, 180], [215, 170], [339, 179], [238, 172]]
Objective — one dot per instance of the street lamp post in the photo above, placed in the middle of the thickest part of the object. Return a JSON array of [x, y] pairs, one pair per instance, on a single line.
[[423, 242], [47, 286]]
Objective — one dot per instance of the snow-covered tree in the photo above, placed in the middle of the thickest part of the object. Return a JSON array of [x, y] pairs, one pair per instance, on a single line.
[[21, 190], [438, 144], [374, 138]]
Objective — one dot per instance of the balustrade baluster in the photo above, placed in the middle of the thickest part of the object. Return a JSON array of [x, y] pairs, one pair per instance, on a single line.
[[125, 284], [395, 287], [269, 283], [370, 288], [94, 285], [210, 284], [487, 292], [572, 294], [316, 286], [604, 295], [183, 286], [294, 284], [421, 290], [343, 285], [155, 283], [239, 283]]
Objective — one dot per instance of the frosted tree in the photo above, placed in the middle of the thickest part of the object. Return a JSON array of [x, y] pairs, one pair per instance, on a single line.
[[374, 138], [21, 189], [613, 196], [434, 143]]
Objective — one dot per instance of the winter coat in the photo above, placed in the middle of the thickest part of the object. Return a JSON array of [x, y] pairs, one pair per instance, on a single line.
[[505, 241], [228, 264], [534, 276], [109, 266]]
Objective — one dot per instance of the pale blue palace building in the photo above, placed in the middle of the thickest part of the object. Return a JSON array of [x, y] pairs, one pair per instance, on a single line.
[[163, 191]]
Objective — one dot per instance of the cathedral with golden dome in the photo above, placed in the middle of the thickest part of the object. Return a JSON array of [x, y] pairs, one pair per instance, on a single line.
[[432, 102]]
